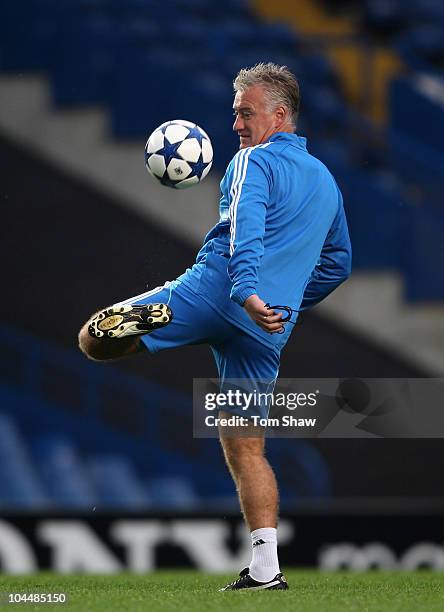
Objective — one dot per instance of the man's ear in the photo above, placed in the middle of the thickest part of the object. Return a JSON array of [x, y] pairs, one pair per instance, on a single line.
[[280, 115]]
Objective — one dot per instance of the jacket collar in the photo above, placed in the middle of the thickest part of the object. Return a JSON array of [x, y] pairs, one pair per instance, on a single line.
[[298, 141]]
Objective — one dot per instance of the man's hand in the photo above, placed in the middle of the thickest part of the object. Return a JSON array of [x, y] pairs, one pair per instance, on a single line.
[[266, 318]]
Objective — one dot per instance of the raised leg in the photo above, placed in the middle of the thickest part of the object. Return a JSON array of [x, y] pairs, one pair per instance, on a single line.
[[105, 349]]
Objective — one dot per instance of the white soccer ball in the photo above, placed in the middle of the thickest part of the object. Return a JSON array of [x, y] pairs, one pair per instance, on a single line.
[[179, 154]]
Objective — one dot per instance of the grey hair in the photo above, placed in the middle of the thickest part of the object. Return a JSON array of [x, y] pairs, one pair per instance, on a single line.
[[280, 85]]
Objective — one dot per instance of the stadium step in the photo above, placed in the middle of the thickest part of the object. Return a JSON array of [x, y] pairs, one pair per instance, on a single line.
[[77, 141], [414, 332]]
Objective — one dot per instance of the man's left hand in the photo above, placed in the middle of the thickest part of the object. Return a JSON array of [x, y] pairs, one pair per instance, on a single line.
[[265, 318]]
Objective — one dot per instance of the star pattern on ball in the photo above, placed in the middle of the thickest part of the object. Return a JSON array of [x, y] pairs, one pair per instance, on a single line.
[[169, 149], [198, 167], [197, 134]]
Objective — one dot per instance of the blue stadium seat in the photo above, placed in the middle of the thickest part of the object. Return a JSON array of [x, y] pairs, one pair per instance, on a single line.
[[90, 54], [420, 166], [303, 472], [424, 11], [422, 263], [256, 39], [317, 70], [374, 204], [150, 88], [212, 10], [27, 37], [411, 98], [117, 483], [422, 47], [384, 15], [172, 493], [187, 33], [136, 8], [374, 208], [391, 16], [64, 474], [20, 486], [277, 37], [333, 153], [324, 111]]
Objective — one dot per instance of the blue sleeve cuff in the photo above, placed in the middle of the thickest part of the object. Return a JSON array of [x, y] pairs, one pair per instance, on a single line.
[[241, 294]]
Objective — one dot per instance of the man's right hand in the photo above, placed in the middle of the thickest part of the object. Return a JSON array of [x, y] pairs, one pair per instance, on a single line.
[[265, 318]]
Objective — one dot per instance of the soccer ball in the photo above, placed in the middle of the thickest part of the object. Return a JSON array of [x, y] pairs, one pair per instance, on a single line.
[[178, 154]]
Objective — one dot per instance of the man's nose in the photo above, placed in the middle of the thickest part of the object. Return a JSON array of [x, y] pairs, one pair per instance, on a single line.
[[238, 124]]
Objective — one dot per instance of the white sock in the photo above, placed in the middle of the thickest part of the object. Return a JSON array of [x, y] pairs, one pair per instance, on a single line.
[[264, 564]]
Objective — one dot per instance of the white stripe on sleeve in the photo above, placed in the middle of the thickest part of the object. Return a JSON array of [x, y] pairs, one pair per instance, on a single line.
[[240, 172]]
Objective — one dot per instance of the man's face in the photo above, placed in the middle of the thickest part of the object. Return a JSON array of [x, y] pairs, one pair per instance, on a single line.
[[254, 123]]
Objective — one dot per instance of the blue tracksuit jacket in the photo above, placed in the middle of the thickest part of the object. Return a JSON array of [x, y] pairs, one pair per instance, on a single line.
[[282, 234]]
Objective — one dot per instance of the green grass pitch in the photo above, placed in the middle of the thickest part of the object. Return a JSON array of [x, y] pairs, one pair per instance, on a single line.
[[310, 591]]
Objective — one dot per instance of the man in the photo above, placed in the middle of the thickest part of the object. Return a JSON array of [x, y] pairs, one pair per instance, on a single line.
[[282, 239]]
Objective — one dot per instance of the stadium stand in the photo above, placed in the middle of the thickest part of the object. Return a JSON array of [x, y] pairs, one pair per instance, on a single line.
[[117, 443], [114, 53], [143, 64]]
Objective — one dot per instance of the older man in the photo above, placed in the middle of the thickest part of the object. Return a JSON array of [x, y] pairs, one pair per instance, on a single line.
[[282, 238]]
